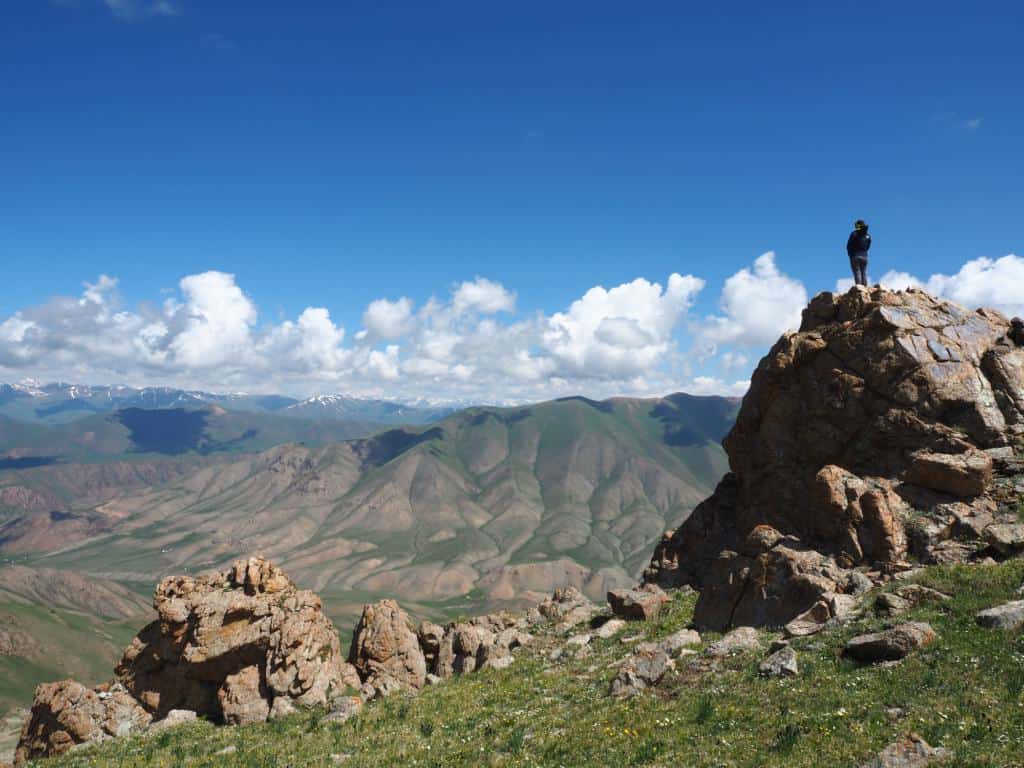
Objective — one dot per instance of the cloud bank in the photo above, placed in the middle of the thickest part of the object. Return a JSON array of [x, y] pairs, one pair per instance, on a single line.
[[637, 338], [983, 282]]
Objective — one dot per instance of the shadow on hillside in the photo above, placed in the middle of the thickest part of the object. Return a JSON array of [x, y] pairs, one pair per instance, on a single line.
[[27, 462], [382, 448]]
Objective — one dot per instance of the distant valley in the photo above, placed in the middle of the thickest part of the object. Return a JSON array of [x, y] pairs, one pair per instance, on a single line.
[[487, 507]]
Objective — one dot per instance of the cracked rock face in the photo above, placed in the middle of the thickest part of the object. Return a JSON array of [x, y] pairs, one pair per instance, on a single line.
[[227, 645], [67, 714], [385, 649], [886, 406]]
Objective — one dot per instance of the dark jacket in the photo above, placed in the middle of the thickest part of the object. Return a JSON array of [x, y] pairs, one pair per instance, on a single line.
[[859, 243]]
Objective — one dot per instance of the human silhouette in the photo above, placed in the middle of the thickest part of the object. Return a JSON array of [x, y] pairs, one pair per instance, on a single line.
[[857, 247]]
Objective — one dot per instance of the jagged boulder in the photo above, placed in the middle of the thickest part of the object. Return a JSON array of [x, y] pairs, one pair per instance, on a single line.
[[644, 668], [885, 409], [66, 714], [1006, 616], [229, 644], [644, 604], [890, 644], [485, 642], [568, 608], [909, 752], [385, 649]]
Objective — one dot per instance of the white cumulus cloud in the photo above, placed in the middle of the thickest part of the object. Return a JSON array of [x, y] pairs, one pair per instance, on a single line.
[[483, 295], [217, 318], [622, 332], [982, 282], [757, 305], [385, 319]]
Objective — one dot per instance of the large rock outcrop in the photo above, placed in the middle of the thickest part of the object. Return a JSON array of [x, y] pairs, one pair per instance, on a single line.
[[237, 646], [385, 649], [232, 646], [871, 431], [67, 714]]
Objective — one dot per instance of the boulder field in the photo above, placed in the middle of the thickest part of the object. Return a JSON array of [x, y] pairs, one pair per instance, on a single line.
[[876, 433]]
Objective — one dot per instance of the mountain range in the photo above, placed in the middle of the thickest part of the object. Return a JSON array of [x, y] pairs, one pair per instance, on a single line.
[[489, 507], [58, 403]]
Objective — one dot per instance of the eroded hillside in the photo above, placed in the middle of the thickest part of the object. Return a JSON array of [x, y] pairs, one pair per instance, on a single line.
[[489, 507]]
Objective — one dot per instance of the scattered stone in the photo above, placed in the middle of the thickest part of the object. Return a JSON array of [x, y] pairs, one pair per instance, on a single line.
[[909, 752], [894, 714], [949, 552], [858, 583], [904, 598], [890, 645], [643, 669], [891, 604], [67, 714], [228, 750], [1006, 538], [384, 646], [777, 645], [511, 638], [782, 663], [738, 640], [644, 604], [562, 601], [908, 575], [610, 628], [674, 644], [498, 662], [809, 622], [1007, 616], [916, 595], [578, 640], [575, 617], [173, 718], [842, 607], [969, 523], [433, 679], [344, 708]]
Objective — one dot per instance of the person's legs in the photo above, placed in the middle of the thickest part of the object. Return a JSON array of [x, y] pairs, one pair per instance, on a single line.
[[853, 268], [860, 270]]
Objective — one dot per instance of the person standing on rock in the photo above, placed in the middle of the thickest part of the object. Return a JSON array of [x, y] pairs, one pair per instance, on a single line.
[[857, 247]]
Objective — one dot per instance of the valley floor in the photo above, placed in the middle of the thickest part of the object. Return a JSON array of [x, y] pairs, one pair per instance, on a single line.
[[965, 692]]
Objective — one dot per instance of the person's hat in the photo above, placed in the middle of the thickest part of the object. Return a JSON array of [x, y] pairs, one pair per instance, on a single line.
[[860, 224]]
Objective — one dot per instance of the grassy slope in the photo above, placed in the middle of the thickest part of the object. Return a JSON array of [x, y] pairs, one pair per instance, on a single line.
[[964, 692], [65, 643]]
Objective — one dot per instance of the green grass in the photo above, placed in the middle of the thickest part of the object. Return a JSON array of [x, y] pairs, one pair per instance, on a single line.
[[65, 644], [963, 692]]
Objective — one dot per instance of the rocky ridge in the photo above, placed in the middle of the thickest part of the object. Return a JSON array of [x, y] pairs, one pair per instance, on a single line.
[[246, 645], [880, 433]]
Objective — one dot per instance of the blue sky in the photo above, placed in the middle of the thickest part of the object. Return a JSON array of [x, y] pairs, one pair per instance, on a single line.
[[329, 154]]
